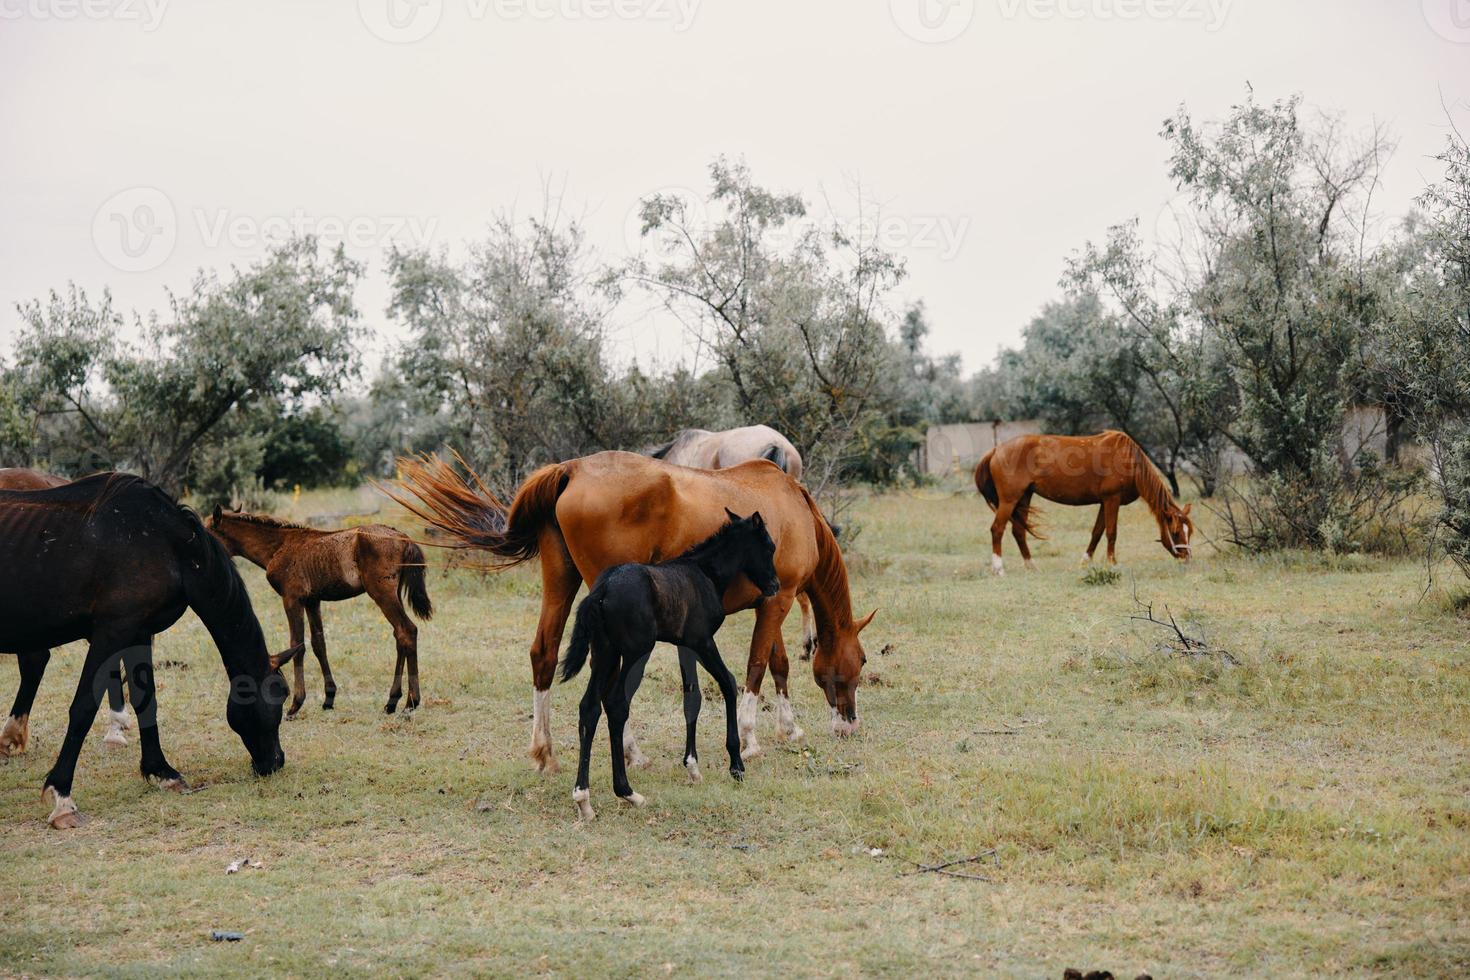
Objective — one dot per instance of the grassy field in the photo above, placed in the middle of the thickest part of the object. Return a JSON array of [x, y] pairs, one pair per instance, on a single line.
[[1305, 811]]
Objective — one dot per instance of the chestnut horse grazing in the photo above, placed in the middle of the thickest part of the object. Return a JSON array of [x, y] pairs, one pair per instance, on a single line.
[[113, 560], [15, 736], [1108, 469], [307, 567], [587, 515]]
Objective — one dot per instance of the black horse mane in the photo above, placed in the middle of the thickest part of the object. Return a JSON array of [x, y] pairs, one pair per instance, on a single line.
[[710, 544]]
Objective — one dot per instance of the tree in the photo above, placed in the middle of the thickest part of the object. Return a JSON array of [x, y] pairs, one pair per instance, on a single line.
[[284, 329], [794, 317]]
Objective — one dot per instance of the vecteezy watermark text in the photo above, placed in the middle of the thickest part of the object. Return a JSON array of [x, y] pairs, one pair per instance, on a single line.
[[146, 13], [407, 21]]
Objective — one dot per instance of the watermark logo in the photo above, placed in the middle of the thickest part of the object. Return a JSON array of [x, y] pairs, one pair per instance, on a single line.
[[146, 13], [1450, 19], [1211, 13], [932, 21], [400, 21], [941, 234], [223, 227], [136, 230]]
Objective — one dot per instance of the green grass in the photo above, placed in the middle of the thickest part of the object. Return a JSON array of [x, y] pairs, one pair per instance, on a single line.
[[1305, 811]]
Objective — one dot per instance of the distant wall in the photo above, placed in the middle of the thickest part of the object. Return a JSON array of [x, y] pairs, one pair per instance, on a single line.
[[953, 448]]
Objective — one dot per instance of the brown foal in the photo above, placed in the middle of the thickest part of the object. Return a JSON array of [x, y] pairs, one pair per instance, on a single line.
[[307, 567]]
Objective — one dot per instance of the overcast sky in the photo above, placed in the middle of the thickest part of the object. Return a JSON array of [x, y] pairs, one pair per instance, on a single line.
[[144, 139]]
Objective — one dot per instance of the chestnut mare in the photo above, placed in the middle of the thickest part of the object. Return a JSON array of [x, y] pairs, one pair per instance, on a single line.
[[15, 736], [1108, 469], [587, 515]]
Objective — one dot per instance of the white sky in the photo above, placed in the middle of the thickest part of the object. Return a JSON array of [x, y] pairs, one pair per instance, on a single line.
[[994, 153]]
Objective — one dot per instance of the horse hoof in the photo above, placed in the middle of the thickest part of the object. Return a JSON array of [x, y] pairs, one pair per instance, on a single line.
[[750, 751], [15, 736], [115, 737], [582, 798], [691, 766], [636, 759], [390, 707], [634, 799], [64, 812], [327, 706], [174, 784], [737, 774]]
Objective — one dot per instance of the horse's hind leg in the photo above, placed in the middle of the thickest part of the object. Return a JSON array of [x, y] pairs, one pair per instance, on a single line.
[[1018, 530], [615, 703], [1097, 532], [1110, 509], [998, 533], [589, 712], [319, 647], [710, 657], [632, 755], [406, 638], [137, 665], [692, 700], [118, 721], [16, 735], [57, 788], [559, 583]]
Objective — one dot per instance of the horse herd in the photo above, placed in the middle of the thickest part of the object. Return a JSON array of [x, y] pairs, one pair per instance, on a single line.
[[669, 543]]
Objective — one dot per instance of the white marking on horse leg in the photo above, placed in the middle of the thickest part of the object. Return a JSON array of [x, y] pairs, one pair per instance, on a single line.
[[541, 749], [745, 715], [582, 798], [997, 567], [691, 765], [1086, 558], [634, 799], [15, 736], [841, 727], [119, 723], [632, 755], [64, 812], [787, 730]]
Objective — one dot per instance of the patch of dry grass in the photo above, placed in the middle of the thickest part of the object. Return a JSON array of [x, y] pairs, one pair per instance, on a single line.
[[1305, 810]]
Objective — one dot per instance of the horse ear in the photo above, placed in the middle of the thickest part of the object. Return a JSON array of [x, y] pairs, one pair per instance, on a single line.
[[731, 514], [757, 519], [862, 624], [278, 660], [216, 513], [1186, 509]]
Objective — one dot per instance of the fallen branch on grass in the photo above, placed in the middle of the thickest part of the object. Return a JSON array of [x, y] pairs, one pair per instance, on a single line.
[[1181, 643], [946, 867]]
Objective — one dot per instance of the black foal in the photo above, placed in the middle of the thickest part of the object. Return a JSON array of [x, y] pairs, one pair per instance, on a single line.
[[632, 607]]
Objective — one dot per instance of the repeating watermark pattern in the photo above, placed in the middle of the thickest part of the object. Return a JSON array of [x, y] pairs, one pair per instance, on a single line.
[[148, 14], [1450, 19], [137, 230], [1211, 13], [408, 21], [932, 21], [686, 212]]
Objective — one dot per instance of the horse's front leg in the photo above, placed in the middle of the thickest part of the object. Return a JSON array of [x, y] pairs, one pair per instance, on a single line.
[[1110, 511], [710, 657], [808, 627], [56, 790], [768, 618], [615, 703], [117, 715], [296, 622], [16, 735], [787, 730], [137, 664], [689, 678], [319, 647]]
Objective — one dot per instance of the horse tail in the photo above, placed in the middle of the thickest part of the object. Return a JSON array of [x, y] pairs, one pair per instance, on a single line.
[[584, 634], [430, 488], [984, 483], [776, 455], [659, 452], [411, 585]]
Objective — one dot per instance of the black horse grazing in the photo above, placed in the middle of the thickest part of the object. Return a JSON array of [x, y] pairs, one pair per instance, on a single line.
[[632, 607], [114, 560]]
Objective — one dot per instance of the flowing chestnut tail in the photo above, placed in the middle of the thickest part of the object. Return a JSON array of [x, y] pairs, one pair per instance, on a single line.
[[433, 491], [588, 627], [411, 586]]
